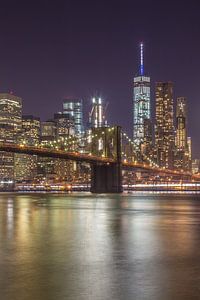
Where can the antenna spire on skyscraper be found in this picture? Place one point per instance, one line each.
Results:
(141, 59)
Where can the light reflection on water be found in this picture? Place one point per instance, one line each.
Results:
(82, 246)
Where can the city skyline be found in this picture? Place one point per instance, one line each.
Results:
(144, 126)
(148, 122)
(51, 60)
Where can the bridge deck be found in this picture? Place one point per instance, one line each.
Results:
(48, 152)
(81, 157)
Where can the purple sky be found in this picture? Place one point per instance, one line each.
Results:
(55, 49)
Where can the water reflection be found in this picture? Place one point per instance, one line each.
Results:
(82, 246)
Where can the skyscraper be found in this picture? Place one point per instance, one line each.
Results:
(181, 159)
(74, 108)
(164, 124)
(48, 131)
(189, 145)
(58, 129)
(64, 125)
(141, 103)
(97, 114)
(26, 165)
(46, 165)
(10, 117)
(195, 166)
(181, 124)
(10, 126)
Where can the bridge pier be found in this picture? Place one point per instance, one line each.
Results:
(106, 178)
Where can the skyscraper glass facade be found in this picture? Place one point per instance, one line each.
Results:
(74, 108)
(141, 107)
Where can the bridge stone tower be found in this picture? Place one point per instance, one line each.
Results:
(107, 177)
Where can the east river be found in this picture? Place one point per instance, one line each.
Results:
(83, 246)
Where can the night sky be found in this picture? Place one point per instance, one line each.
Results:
(55, 49)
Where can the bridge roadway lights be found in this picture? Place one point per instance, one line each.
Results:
(106, 178)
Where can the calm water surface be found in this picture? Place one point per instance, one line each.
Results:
(82, 246)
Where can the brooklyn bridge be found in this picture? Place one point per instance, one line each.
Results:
(109, 151)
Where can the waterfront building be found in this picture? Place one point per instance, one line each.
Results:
(26, 165)
(46, 169)
(195, 166)
(46, 165)
(65, 134)
(181, 160)
(74, 108)
(189, 145)
(10, 126)
(141, 105)
(58, 131)
(65, 170)
(164, 125)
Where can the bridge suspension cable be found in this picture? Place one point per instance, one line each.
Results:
(137, 148)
